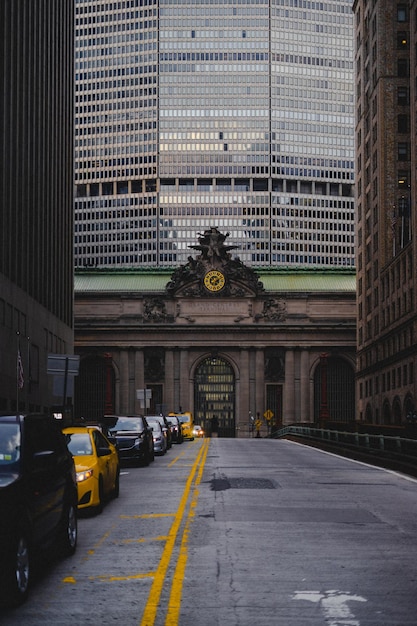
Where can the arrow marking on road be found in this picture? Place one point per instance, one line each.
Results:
(333, 604)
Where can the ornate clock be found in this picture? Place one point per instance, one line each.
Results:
(214, 280)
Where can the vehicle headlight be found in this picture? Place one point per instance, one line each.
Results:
(83, 476)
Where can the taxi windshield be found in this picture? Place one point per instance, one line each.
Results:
(9, 446)
(79, 444)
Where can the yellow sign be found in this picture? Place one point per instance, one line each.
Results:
(268, 415)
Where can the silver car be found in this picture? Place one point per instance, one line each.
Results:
(159, 438)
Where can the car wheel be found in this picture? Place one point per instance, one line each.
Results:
(68, 533)
(116, 489)
(17, 572)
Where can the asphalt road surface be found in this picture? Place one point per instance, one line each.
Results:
(250, 532)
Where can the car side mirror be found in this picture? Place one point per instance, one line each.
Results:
(103, 452)
(43, 458)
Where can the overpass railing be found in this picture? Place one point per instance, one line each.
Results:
(373, 443)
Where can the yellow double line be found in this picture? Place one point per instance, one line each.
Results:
(189, 498)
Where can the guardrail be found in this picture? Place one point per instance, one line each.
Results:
(376, 445)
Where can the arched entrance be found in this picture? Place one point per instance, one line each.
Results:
(339, 383)
(94, 388)
(214, 395)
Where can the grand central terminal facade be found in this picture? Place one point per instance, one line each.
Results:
(219, 339)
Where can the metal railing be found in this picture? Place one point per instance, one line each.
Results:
(377, 444)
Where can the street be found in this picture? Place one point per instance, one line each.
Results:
(228, 532)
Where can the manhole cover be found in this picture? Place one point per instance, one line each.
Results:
(221, 484)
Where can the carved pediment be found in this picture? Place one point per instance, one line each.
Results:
(213, 272)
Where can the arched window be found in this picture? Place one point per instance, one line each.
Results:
(386, 413)
(396, 411)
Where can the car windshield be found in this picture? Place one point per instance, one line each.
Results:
(79, 444)
(132, 424)
(9, 447)
(153, 423)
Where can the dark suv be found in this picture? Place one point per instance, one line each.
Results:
(38, 498)
(175, 426)
(133, 437)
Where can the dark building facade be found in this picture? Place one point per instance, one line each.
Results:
(36, 178)
(386, 39)
(216, 338)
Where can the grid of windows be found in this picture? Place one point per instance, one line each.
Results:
(385, 131)
(175, 98)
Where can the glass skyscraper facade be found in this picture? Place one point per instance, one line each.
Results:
(233, 113)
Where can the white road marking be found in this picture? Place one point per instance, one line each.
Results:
(333, 604)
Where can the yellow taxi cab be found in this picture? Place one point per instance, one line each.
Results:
(96, 464)
(187, 423)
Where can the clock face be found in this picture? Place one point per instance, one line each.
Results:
(214, 280)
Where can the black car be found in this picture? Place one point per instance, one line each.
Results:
(133, 437)
(38, 499)
(176, 431)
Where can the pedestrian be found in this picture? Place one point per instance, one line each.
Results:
(214, 426)
(258, 424)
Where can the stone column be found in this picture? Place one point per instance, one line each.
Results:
(176, 380)
(260, 382)
(124, 382)
(132, 381)
(184, 392)
(169, 399)
(289, 394)
(243, 398)
(139, 379)
(305, 387)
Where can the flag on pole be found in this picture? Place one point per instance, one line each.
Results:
(20, 378)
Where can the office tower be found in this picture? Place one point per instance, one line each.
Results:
(36, 184)
(233, 113)
(386, 164)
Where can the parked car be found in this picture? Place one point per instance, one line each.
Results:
(175, 426)
(133, 436)
(198, 431)
(102, 427)
(165, 427)
(38, 499)
(96, 465)
(186, 419)
(159, 437)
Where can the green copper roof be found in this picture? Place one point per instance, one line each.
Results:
(305, 281)
(277, 279)
(121, 281)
